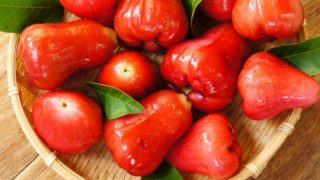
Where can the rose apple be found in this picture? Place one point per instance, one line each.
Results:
(101, 11)
(266, 20)
(209, 147)
(53, 52)
(130, 72)
(67, 121)
(268, 86)
(139, 143)
(152, 24)
(220, 10)
(209, 64)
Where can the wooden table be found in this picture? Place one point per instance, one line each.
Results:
(298, 158)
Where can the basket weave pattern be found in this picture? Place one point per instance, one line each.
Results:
(259, 140)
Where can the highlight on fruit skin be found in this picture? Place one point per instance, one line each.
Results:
(101, 11)
(67, 121)
(209, 65)
(131, 72)
(70, 122)
(51, 53)
(267, 20)
(209, 147)
(152, 24)
(139, 143)
(268, 86)
(220, 10)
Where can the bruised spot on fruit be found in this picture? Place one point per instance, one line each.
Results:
(51, 46)
(64, 105)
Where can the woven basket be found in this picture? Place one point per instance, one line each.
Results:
(259, 140)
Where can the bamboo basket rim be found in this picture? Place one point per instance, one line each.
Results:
(251, 169)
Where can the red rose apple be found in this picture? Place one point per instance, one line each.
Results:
(268, 86)
(153, 24)
(266, 20)
(209, 147)
(130, 72)
(209, 65)
(53, 52)
(220, 10)
(101, 11)
(67, 121)
(139, 143)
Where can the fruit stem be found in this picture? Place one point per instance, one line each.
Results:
(186, 90)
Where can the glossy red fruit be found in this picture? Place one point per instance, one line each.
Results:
(102, 11)
(209, 64)
(68, 122)
(220, 10)
(268, 86)
(209, 147)
(152, 24)
(53, 52)
(130, 72)
(139, 143)
(266, 20)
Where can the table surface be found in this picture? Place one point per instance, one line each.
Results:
(298, 158)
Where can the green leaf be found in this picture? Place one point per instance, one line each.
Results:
(191, 7)
(115, 102)
(15, 15)
(164, 172)
(304, 56)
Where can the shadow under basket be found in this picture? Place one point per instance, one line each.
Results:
(259, 140)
